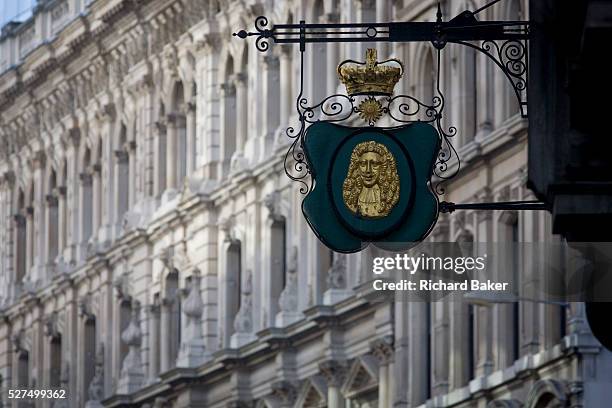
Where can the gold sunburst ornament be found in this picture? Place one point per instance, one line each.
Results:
(370, 110)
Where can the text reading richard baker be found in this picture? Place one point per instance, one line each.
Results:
(434, 265)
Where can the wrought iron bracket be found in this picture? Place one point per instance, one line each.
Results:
(449, 207)
(503, 42)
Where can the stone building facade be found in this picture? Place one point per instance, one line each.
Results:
(153, 253)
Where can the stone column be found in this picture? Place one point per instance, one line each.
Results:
(207, 60)
(242, 115)
(331, 60)
(165, 330)
(287, 104)
(484, 314)
(335, 374)
(191, 124)
(171, 153)
(383, 351)
(382, 14)
(39, 235)
(228, 127)
(484, 97)
(105, 231)
(154, 346)
(72, 197)
(418, 349)
(271, 105)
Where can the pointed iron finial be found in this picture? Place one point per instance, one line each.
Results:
(439, 13)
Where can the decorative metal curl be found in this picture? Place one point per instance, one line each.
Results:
(411, 107)
(263, 34)
(330, 108)
(511, 57)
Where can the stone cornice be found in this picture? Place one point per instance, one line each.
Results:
(65, 49)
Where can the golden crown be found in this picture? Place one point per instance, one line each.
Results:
(375, 78)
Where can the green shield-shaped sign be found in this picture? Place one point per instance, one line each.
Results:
(371, 185)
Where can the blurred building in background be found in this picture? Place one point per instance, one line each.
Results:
(153, 252)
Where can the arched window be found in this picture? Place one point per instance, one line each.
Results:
(278, 254)
(193, 147)
(510, 260)
(467, 346)
(89, 350)
(23, 369)
(233, 283)
(228, 116)
(469, 119)
(30, 232)
(161, 151)
(55, 356)
(86, 197)
(52, 218)
(97, 189)
(122, 158)
(428, 77)
(20, 238)
(180, 155)
(64, 222)
(170, 321)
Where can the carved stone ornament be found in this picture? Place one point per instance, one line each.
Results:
(95, 391)
(288, 300)
(243, 323)
(336, 275)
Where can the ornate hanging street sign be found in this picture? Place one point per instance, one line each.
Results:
(370, 184)
(381, 185)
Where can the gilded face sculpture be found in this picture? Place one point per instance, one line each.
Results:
(371, 187)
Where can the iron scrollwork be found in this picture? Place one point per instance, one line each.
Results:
(511, 56)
